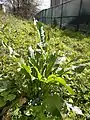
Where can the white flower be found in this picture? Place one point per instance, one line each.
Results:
(35, 21)
(31, 51)
(77, 110)
(11, 50)
(74, 109)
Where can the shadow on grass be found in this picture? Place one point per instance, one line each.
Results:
(79, 35)
(73, 34)
(70, 31)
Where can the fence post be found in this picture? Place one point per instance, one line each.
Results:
(42, 16)
(51, 15)
(55, 2)
(45, 16)
(61, 14)
(79, 14)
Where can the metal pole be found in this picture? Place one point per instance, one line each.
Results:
(51, 14)
(61, 14)
(55, 2)
(42, 16)
(79, 14)
(45, 15)
(51, 3)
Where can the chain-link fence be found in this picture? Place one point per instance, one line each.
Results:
(72, 13)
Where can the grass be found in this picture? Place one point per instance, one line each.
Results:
(20, 34)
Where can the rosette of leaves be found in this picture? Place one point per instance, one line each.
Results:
(36, 79)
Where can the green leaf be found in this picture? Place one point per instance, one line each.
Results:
(39, 25)
(79, 68)
(27, 68)
(53, 104)
(11, 97)
(41, 116)
(33, 61)
(61, 80)
(4, 93)
(38, 73)
(2, 89)
(4, 84)
(24, 66)
(50, 63)
(54, 78)
(70, 90)
(2, 102)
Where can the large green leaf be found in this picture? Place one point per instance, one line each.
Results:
(27, 68)
(38, 73)
(79, 68)
(2, 102)
(53, 104)
(7, 96)
(11, 97)
(70, 90)
(24, 66)
(50, 63)
(54, 79)
(5, 93)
